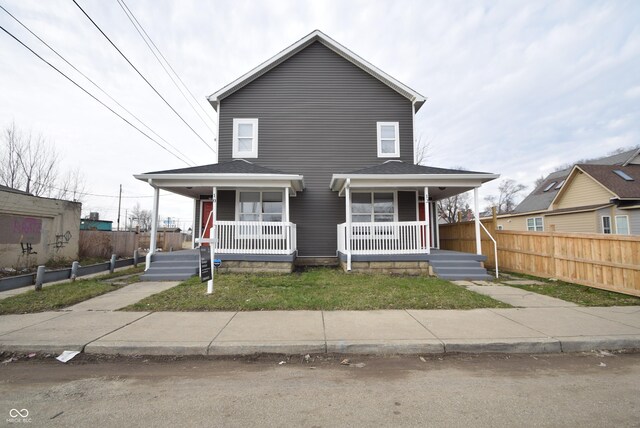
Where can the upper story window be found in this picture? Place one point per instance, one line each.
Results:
(245, 138)
(388, 140)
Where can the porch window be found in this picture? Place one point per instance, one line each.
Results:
(373, 207)
(245, 138)
(534, 224)
(388, 140)
(260, 206)
(622, 225)
(606, 224)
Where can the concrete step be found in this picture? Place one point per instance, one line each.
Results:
(175, 263)
(455, 263)
(456, 256)
(166, 276)
(186, 271)
(467, 277)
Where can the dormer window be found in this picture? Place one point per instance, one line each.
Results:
(388, 140)
(245, 138)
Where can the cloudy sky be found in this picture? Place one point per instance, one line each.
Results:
(515, 88)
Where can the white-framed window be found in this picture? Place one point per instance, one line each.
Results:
(388, 139)
(259, 206)
(373, 207)
(606, 224)
(535, 224)
(245, 138)
(622, 224)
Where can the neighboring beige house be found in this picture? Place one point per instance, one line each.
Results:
(598, 197)
(34, 230)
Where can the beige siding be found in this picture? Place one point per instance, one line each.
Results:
(516, 222)
(576, 222)
(582, 191)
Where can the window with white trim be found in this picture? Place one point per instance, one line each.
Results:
(606, 224)
(260, 206)
(388, 139)
(373, 207)
(535, 224)
(622, 224)
(245, 138)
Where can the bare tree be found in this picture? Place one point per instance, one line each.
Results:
(10, 171)
(28, 162)
(448, 208)
(142, 217)
(71, 186)
(422, 149)
(508, 191)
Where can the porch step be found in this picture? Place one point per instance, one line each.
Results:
(172, 266)
(458, 266)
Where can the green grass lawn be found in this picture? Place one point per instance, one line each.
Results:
(60, 296)
(315, 289)
(580, 294)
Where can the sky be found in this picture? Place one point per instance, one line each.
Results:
(514, 87)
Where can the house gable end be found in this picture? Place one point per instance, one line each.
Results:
(580, 189)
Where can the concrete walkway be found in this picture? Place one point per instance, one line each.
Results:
(122, 297)
(515, 296)
(525, 330)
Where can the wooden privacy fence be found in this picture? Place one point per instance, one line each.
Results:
(166, 240)
(609, 262)
(98, 243)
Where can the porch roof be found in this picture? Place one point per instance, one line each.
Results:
(396, 174)
(239, 173)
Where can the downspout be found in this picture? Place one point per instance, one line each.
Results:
(347, 202)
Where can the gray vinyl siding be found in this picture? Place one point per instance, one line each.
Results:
(226, 205)
(407, 206)
(226, 208)
(634, 221)
(317, 116)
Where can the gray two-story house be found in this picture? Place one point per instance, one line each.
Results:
(316, 165)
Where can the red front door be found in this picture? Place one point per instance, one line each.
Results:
(207, 207)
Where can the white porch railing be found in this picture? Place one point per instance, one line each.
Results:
(407, 237)
(255, 237)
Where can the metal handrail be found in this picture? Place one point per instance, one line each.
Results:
(495, 247)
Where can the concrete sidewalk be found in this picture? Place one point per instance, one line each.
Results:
(522, 330)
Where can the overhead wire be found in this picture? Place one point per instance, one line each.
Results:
(97, 86)
(136, 24)
(141, 75)
(90, 94)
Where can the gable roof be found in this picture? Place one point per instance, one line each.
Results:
(605, 175)
(539, 200)
(236, 166)
(400, 167)
(316, 36)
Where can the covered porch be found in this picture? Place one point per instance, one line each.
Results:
(391, 211)
(240, 209)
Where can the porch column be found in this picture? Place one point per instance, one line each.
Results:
(193, 227)
(347, 201)
(212, 235)
(287, 227)
(154, 227)
(433, 221)
(427, 220)
(476, 212)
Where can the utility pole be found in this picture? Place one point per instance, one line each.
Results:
(126, 212)
(119, 204)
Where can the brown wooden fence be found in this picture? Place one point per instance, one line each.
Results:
(98, 243)
(609, 262)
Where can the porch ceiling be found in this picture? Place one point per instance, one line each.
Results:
(194, 185)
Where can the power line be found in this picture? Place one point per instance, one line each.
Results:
(90, 94)
(142, 76)
(96, 85)
(137, 24)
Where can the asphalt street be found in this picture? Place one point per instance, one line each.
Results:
(589, 389)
